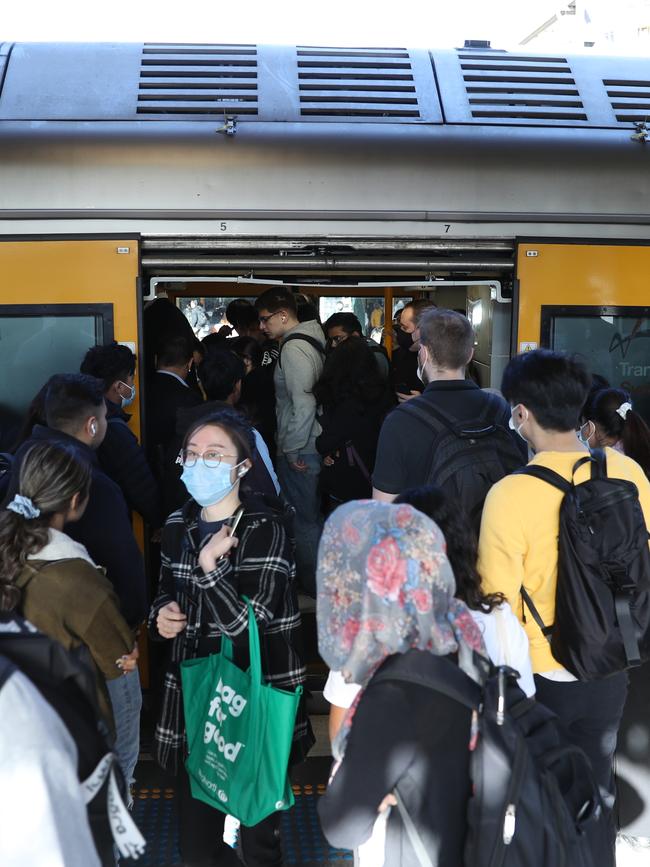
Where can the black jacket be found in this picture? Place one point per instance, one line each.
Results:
(351, 431)
(105, 527)
(406, 736)
(123, 459)
(165, 396)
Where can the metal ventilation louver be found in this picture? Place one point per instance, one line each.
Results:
(630, 99)
(364, 83)
(510, 87)
(198, 81)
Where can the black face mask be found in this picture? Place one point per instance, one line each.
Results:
(404, 340)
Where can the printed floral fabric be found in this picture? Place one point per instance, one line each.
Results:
(385, 586)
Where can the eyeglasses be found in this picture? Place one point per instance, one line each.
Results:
(188, 458)
(265, 319)
(338, 339)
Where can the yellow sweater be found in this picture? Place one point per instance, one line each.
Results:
(519, 537)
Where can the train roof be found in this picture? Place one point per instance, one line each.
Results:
(191, 85)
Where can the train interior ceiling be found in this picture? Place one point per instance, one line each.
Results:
(372, 279)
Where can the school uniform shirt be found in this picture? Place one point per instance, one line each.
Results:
(261, 567)
(518, 545)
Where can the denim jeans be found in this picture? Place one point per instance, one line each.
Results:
(126, 700)
(301, 490)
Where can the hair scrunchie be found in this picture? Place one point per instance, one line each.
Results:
(623, 410)
(24, 506)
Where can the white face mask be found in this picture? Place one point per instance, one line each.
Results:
(586, 432)
(515, 427)
(422, 376)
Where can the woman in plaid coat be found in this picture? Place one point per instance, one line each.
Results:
(206, 571)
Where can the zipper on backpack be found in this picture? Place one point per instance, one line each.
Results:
(510, 814)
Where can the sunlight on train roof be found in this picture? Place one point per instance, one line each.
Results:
(595, 26)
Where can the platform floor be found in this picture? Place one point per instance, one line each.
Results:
(303, 844)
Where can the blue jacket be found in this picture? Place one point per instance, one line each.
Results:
(105, 528)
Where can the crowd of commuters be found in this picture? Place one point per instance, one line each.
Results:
(286, 456)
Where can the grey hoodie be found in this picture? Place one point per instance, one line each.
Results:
(302, 365)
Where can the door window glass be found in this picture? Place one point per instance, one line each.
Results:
(32, 348)
(616, 346)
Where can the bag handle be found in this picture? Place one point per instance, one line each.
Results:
(254, 650)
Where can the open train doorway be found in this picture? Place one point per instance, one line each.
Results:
(377, 305)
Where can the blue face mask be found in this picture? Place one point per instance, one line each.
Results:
(210, 485)
(127, 401)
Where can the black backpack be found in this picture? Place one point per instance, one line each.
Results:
(602, 600)
(66, 681)
(312, 341)
(534, 799)
(467, 457)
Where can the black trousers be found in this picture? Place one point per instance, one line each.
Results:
(201, 835)
(590, 713)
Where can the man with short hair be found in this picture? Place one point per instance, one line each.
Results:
(167, 392)
(411, 434)
(340, 326)
(120, 454)
(300, 364)
(518, 548)
(405, 355)
(75, 412)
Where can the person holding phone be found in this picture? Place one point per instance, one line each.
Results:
(223, 545)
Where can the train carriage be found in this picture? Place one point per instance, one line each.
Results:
(513, 186)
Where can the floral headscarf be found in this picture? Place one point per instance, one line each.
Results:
(385, 586)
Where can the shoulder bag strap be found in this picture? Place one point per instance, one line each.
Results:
(447, 679)
(412, 832)
(426, 413)
(354, 458)
(546, 475)
(537, 617)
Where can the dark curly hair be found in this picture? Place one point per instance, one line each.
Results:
(50, 475)
(462, 549)
(350, 371)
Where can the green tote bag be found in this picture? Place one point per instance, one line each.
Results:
(239, 733)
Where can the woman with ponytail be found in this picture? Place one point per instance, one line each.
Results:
(49, 578)
(610, 420)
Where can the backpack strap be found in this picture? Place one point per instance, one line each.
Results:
(445, 677)
(7, 668)
(355, 459)
(412, 833)
(546, 475)
(537, 617)
(307, 338)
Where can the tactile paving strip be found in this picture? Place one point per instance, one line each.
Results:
(302, 840)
